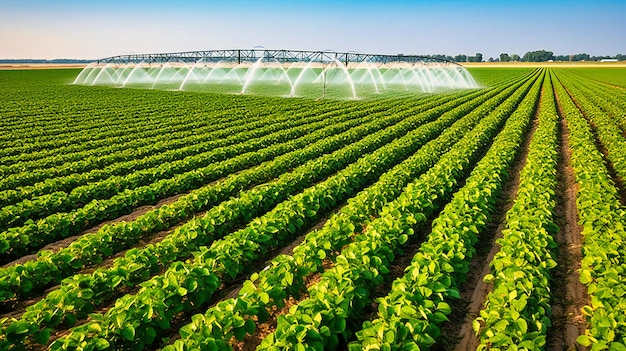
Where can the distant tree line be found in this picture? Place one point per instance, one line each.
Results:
(544, 56)
(531, 56)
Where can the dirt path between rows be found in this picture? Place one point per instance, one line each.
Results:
(568, 293)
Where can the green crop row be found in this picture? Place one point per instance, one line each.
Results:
(92, 248)
(58, 194)
(321, 320)
(138, 264)
(111, 121)
(138, 144)
(91, 133)
(608, 98)
(409, 317)
(198, 171)
(38, 177)
(601, 217)
(143, 144)
(607, 130)
(160, 166)
(138, 318)
(285, 275)
(517, 311)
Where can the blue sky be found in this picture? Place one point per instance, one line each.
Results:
(86, 29)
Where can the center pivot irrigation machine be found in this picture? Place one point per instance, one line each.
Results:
(283, 72)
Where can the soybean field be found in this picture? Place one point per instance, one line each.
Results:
(475, 219)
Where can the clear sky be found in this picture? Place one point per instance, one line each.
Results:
(96, 29)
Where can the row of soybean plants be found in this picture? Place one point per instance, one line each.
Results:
(84, 156)
(344, 290)
(610, 98)
(123, 130)
(368, 247)
(177, 132)
(76, 183)
(92, 248)
(373, 163)
(169, 145)
(489, 77)
(109, 198)
(606, 127)
(229, 256)
(601, 217)
(410, 316)
(45, 121)
(517, 310)
(97, 287)
(89, 125)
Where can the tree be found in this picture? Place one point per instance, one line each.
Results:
(504, 57)
(477, 58)
(580, 57)
(538, 56)
(562, 58)
(460, 58)
(515, 58)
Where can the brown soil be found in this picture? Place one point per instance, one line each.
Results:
(569, 294)
(474, 291)
(262, 330)
(396, 270)
(250, 342)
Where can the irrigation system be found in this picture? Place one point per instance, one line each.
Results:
(252, 55)
(285, 72)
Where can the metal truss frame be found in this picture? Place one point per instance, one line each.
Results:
(253, 55)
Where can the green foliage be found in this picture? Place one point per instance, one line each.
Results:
(346, 288)
(410, 315)
(262, 171)
(601, 217)
(517, 310)
(538, 56)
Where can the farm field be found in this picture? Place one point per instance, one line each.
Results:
(491, 218)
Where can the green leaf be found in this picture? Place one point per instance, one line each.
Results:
(101, 344)
(42, 336)
(585, 277)
(4, 245)
(239, 333)
(321, 254)
(584, 340)
(444, 308)
(617, 346)
(250, 326)
(454, 293)
(149, 336)
(20, 327)
(476, 325)
(403, 239)
(128, 332)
